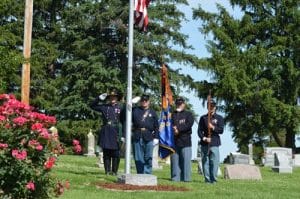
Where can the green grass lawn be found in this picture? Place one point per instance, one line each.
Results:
(83, 173)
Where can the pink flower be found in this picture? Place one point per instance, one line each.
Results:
(77, 149)
(36, 127)
(45, 134)
(4, 96)
(30, 186)
(20, 121)
(49, 163)
(20, 155)
(3, 145)
(2, 118)
(39, 147)
(75, 142)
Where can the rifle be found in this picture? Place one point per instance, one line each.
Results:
(208, 114)
(208, 120)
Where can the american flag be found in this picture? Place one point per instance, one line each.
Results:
(140, 13)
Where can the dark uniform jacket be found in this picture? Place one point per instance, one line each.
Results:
(145, 124)
(111, 129)
(184, 121)
(218, 122)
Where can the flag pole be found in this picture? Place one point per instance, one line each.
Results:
(25, 87)
(129, 89)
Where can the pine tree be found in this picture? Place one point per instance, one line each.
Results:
(255, 65)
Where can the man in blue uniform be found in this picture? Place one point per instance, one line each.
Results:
(111, 130)
(182, 121)
(145, 135)
(210, 145)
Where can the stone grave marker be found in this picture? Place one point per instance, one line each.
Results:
(90, 145)
(242, 172)
(138, 179)
(238, 158)
(269, 159)
(297, 160)
(282, 163)
(155, 164)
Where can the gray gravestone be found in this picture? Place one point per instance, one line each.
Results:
(138, 179)
(242, 172)
(155, 164)
(90, 145)
(282, 164)
(250, 152)
(238, 158)
(297, 160)
(269, 159)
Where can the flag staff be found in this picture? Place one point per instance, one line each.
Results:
(129, 88)
(25, 87)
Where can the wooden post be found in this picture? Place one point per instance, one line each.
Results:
(25, 90)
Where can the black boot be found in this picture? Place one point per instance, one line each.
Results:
(107, 164)
(115, 165)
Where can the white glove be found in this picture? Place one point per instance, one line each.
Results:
(123, 139)
(155, 142)
(136, 99)
(103, 96)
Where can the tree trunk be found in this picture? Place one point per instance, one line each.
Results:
(277, 139)
(290, 138)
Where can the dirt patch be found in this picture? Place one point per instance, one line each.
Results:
(127, 187)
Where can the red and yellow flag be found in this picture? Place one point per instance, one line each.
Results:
(167, 95)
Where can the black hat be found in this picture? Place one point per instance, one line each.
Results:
(179, 101)
(145, 97)
(213, 102)
(113, 92)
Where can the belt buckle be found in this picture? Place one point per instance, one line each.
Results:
(143, 129)
(109, 123)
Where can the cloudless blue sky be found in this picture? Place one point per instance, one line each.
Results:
(198, 41)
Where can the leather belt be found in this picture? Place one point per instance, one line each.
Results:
(140, 129)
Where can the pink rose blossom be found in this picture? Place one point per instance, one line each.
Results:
(30, 186)
(3, 145)
(75, 142)
(20, 155)
(2, 118)
(20, 121)
(39, 147)
(36, 127)
(49, 163)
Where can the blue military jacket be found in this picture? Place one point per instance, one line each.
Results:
(110, 132)
(218, 122)
(145, 124)
(184, 121)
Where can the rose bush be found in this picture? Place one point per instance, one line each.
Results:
(28, 151)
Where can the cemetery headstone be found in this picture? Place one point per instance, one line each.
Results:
(138, 179)
(242, 172)
(155, 164)
(90, 145)
(297, 160)
(269, 159)
(282, 164)
(239, 158)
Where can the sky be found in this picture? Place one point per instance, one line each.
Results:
(198, 41)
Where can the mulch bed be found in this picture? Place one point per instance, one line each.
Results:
(127, 187)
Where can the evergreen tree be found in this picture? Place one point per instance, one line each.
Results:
(255, 66)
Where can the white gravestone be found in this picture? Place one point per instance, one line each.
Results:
(238, 158)
(297, 160)
(282, 164)
(90, 145)
(250, 152)
(269, 159)
(155, 164)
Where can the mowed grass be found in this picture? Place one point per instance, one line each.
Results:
(83, 173)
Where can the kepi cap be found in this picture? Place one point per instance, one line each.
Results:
(145, 97)
(179, 101)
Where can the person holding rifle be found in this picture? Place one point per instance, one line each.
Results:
(211, 125)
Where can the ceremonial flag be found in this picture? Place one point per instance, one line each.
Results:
(140, 13)
(166, 135)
